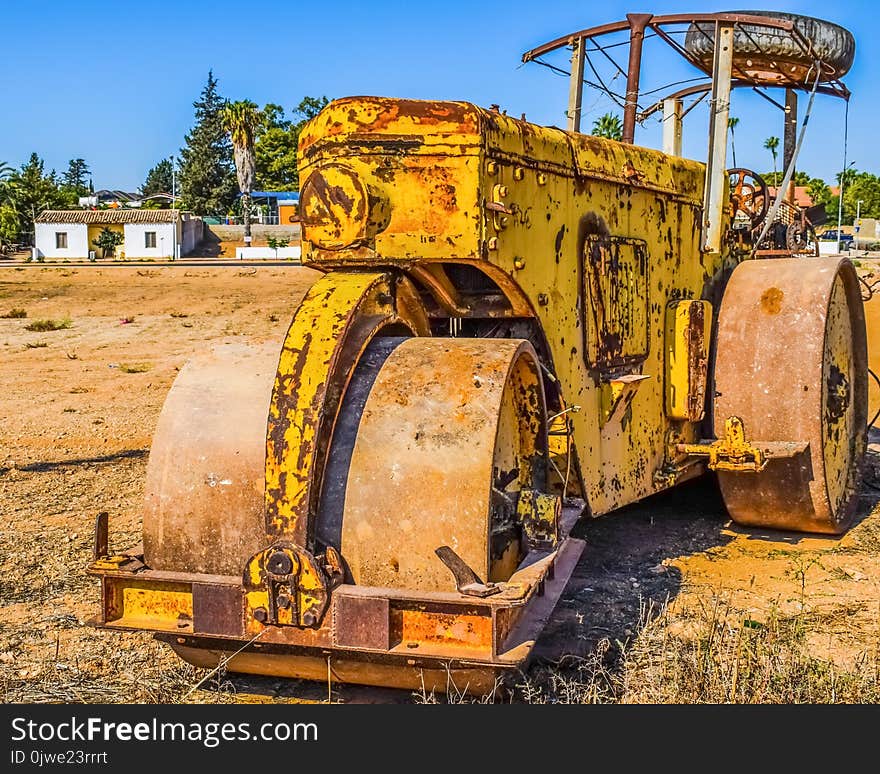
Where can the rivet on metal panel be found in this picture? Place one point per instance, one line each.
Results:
(519, 263)
(519, 173)
(493, 243)
(542, 178)
(543, 299)
(492, 167)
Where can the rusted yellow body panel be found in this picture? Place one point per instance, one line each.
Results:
(591, 236)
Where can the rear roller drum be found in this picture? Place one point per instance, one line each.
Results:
(792, 364)
(435, 441)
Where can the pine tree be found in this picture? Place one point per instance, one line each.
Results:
(159, 179)
(76, 176)
(207, 172)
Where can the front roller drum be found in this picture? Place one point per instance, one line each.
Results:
(792, 364)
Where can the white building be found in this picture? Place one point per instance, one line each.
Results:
(152, 234)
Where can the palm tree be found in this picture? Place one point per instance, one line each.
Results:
(608, 126)
(731, 124)
(242, 119)
(772, 144)
(7, 188)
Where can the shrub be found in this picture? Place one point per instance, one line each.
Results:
(49, 325)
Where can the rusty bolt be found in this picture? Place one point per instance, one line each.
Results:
(309, 618)
(384, 298)
(492, 167)
(261, 614)
(493, 243)
(280, 564)
(519, 263)
(543, 299)
(519, 173)
(542, 178)
(283, 601)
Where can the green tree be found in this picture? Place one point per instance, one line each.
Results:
(864, 187)
(8, 213)
(275, 152)
(820, 193)
(608, 125)
(772, 145)
(775, 178)
(207, 175)
(276, 144)
(76, 179)
(27, 192)
(160, 179)
(242, 119)
(274, 118)
(108, 240)
(309, 107)
(731, 125)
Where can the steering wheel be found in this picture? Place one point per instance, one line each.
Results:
(749, 195)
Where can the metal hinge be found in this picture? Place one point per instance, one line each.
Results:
(735, 453)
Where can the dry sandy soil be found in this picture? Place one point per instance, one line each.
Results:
(77, 409)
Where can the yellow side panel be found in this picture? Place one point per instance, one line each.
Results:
(688, 331)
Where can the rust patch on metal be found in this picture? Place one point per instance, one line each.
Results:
(616, 300)
(696, 362)
(463, 629)
(838, 396)
(361, 622)
(771, 300)
(217, 610)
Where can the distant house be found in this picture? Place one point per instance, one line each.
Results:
(71, 234)
(110, 198)
(281, 207)
(801, 197)
(288, 210)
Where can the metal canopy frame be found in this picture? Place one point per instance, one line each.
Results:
(724, 75)
(643, 25)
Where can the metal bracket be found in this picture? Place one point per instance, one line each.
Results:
(734, 453)
(286, 586)
(617, 394)
(540, 515)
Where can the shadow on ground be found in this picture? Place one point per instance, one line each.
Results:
(622, 575)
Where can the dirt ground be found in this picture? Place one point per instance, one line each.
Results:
(77, 409)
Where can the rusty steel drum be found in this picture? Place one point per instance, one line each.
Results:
(204, 503)
(792, 364)
(436, 439)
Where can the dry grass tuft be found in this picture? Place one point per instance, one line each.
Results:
(716, 655)
(49, 325)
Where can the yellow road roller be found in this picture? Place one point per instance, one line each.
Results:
(517, 326)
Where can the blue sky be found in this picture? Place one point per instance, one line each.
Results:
(114, 83)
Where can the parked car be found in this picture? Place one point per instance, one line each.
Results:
(831, 236)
